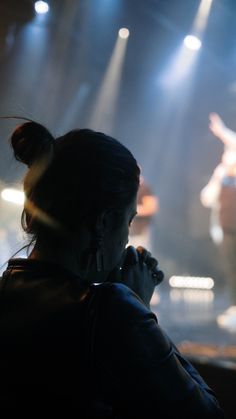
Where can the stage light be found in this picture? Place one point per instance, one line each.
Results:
(194, 282)
(124, 33)
(192, 296)
(192, 42)
(41, 7)
(105, 104)
(13, 195)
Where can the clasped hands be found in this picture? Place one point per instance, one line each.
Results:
(139, 271)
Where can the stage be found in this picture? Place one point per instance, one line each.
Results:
(190, 315)
(190, 319)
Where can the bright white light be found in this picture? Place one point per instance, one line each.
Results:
(124, 33)
(13, 195)
(192, 296)
(192, 42)
(195, 282)
(41, 7)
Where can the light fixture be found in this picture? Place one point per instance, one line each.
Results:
(124, 33)
(194, 282)
(192, 42)
(41, 7)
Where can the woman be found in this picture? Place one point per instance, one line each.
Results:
(73, 336)
(220, 196)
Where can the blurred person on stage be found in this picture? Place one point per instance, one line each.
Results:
(147, 207)
(140, 232)
(220, 195)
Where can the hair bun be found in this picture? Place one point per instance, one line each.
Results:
(30, 141)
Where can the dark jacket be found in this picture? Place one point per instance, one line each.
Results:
(94, 350)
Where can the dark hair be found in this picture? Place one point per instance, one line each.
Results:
(73, 177)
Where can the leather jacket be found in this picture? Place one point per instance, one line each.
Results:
(91, 349)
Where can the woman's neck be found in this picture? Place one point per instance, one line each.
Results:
(70, 258)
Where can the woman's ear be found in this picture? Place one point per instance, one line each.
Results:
(105, 221)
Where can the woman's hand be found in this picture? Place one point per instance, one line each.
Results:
(139, 271)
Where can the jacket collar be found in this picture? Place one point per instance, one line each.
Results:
(36, 268)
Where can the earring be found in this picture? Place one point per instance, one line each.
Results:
(99, 252)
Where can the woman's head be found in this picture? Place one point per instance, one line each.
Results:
(73, 179)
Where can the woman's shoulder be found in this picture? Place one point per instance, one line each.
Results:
(119, 300)
(117, 292)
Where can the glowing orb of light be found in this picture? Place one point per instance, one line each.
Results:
(192, 42)
(124, 33)
(41, 7)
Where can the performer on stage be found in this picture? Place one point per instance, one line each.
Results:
(220, 195)
(147, 207)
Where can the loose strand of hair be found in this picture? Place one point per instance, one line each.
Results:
(16, 117)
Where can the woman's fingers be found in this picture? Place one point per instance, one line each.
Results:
(130, 257)
(152, 264)
(143, 253)
(146, 257)
(157, 276)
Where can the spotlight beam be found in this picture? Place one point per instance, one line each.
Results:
(200, 21)
(102, 116)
